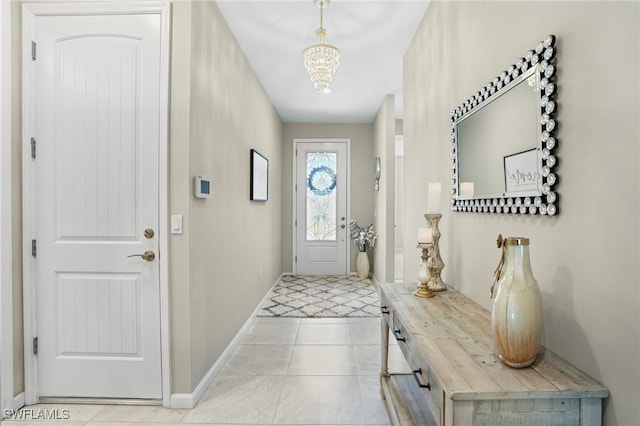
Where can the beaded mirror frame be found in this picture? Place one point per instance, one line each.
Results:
(543, 60)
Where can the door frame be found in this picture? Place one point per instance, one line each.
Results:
(6, 208)
(295, 193)
(30, 12)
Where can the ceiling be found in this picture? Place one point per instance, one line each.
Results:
(372, 36)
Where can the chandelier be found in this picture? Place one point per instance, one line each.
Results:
(321, 60)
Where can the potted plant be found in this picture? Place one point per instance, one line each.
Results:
(364, 239)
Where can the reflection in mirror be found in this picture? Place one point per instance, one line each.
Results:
(503, 143)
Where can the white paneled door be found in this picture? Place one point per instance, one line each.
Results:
(96, 189)
(321, 225)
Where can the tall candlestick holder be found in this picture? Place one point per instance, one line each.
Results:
(435, 282)
(424, 272)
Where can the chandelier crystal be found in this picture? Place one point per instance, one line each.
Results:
(321, 60)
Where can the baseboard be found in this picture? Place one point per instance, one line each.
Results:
(190, 400)
(18, 401)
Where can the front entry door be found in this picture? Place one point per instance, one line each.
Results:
(321, 225)
(96, 196)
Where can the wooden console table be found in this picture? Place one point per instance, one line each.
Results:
(457, 379)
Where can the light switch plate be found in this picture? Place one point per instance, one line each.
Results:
(176, 224)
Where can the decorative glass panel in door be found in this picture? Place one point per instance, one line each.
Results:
(321, 196)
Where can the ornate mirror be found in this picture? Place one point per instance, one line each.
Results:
(503, 140)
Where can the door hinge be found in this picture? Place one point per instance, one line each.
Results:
(33, 50)
(33, 148)
(35, 346)
(33, 248)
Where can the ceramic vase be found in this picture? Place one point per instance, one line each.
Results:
(362, 264)
(516, 315)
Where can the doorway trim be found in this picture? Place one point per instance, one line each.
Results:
(6, 207)
(295, 194)
(30, 11)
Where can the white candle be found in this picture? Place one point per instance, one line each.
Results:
(434, 195)
(466, 189)
(425, 236)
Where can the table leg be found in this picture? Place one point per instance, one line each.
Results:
(384, 346)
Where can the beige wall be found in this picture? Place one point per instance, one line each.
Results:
(361, 136)
(586, 258)
(232, 246)
(384, 127)
(180, 193)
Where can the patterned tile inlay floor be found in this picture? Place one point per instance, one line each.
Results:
(322, 297)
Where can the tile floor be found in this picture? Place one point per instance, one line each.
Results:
(286, 371)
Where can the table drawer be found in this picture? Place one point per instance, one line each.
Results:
(424, 377)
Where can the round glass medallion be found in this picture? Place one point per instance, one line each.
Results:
(549, 70)
(551, 209)
(527, 201)
(492, 209)
(500, 85)
(518, 201)
(549, 107)
(537, 201)
(548, 53)
(321, 181)
(551, 179)
(502, 202)
(485, 209)
(523, 209)
(520, 62)
(529, 55)
(545, 171)
(546, 188)
(535, 59)
(514, 209)
(524, 67)
(503, 76)
(551, 161)
(495, 202)
(543, 209)
(544, 83)
(540, 47)
(509, 202)
(508, 79)
(543, 65)
(545, 154)
(544, 119)
(551, 124)
(515, 73)
(551, 197)
(551, 143)
(544, 136)
(543, 101)
(532, 209)
(549, 89)
(548, 41)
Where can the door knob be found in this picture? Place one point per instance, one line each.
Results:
(148, 255)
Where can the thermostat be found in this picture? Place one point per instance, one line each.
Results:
(201, 187)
